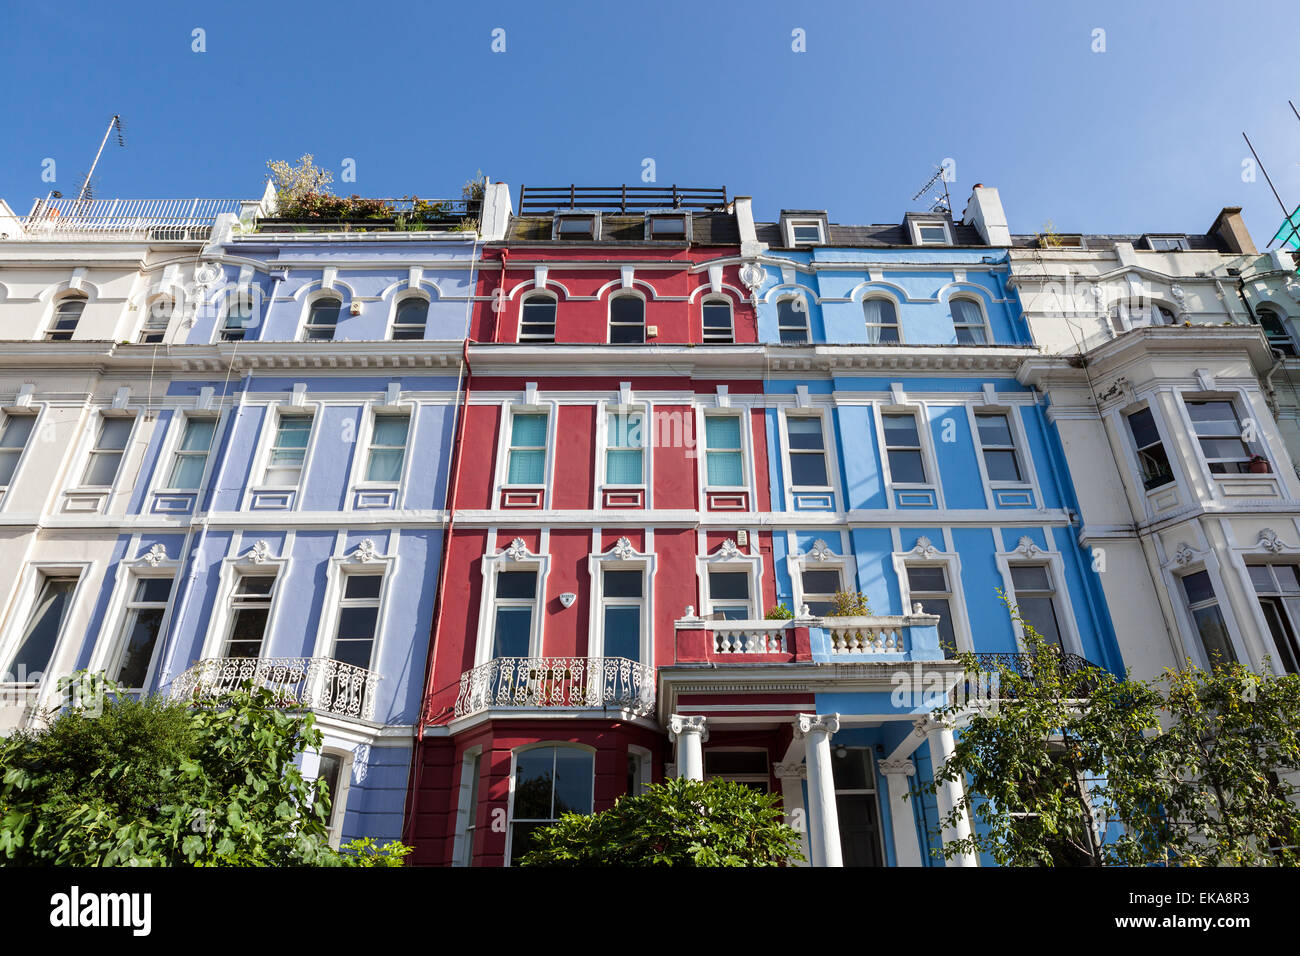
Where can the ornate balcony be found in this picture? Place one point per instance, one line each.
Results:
(314, 683)
(563, 682)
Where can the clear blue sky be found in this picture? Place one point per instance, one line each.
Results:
(1143, 137)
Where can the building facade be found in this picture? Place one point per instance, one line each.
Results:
(225, 439)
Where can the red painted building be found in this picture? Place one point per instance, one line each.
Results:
(606, 457)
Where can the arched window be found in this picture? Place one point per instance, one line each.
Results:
(411, 319)
(882, 321)
(158, 317)
(322, 320)
(627, 320)
(537, 319)
(968, 321)
(66, 316)
(792, 320)
(716, 313)
(549, 781)
(1277, 329)
(239, 317)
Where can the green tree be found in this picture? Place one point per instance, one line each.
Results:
(1064, 764)
(678, 823)
(156, 783)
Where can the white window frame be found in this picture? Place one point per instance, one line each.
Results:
(471, 771)
(1275, 593)
(1238, 402)
(949, 560)
(929, 460)
(604, 411)
(314, 300)
(338, 801)
(510, 802)
(92, 449)
(1193, 646)
(152, 324)
(1179, 241)
(342, 567)
(1020, 446)
(747, 559)
(1135, 451)
(898, 320)
(982, 325)
(915, 227)
(718, 300)
(34, 413)
(31, 582)
(644, 768)
(365, 444)
(233, 568)
(271, 430)
(744, 416)
(801, 308)
(502, 559)
(1284, 320)
(618, 558)
(534, 296)
(509, 409)
(1071, 639)
(172, 453)
(609, 316)
(792, 224)
(558, 218)
(411, 295)
(834, 557)
(1120, 315)
(111, 641)
(244, 295)
(829, 450)
(50, 331)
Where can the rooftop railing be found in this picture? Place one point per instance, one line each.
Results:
(184, 220)
(538, 200)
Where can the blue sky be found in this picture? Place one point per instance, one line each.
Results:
(1143, 137)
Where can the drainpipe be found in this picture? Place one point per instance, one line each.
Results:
(463, 387)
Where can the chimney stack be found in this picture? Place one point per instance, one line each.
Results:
(984, 212)
(1231, 229)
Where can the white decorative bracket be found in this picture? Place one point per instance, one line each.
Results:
(365, 551)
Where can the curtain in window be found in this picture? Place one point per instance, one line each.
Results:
(721, 436)
(879, 312)
(528, 454)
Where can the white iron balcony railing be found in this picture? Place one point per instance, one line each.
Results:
(189, 220)
(604, 682)
(315, 683)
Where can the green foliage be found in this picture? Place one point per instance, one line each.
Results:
(849, 604)
(779, 612)
(160, 783)
(1189, 767)
(366, 852)
(678, 823)
(294, 182)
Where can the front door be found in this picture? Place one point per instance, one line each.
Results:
(856, 802)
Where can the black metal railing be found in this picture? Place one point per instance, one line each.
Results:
(538, 200)
(1072, 669)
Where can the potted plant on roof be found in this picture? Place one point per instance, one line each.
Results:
(1258, 465)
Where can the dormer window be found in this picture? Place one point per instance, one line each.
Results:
(802, 228)
(583, 226)
(1167, 243)
(930, 232)
(667, 226)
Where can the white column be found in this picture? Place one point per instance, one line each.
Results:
(950, 792)
(823, 818)
(792, 776)
(902, 821)
(689, 733)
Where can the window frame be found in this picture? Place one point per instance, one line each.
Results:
(20, 452)
(1290, 346)
(744, 559)
(716, 338)
(152, 331)
(514, 778)
(1029, 552)
(1189, 609)
(789, 451)
(833, 557)
(270, 444)
(800, 308)
(921, 422)
(176, 451)
(500, 558)
(925, 555)
(1008, 414)
(560, 234)
(610, 411)
(339, 801)
(792, 224)
(405, 300)
(52, 331)
(985, 332)
(1235, 402)
(626, 294)
(508, 446)
(245, 296)
(896, 325)
(618, 558)
(467, 800)
(1119, 316)
(1139, 450)
(316, 302)
(376, 415)
(31, 585)
(652, 220)
(743, 419)
(236, 602)
(1290, 621)
(131, 605)
(918, 224)
(103, 417)
(537, 296)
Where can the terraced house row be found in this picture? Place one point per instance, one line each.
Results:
(535, 505)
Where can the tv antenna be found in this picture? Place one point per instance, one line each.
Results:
(115, 123)
(939, 203)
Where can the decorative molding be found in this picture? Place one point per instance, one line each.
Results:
(752, 275)
(1184, 555)
(1269, 541)
(1027, 547)
(365, 551)
(787, 771)
(806, 724)
(903, 766)
(1179, 296)
(259, 553)
(622, 550)
(155, 555)
(679, 724)
(821, 551)
(925, 547)
(727, 549)
(517, 550)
